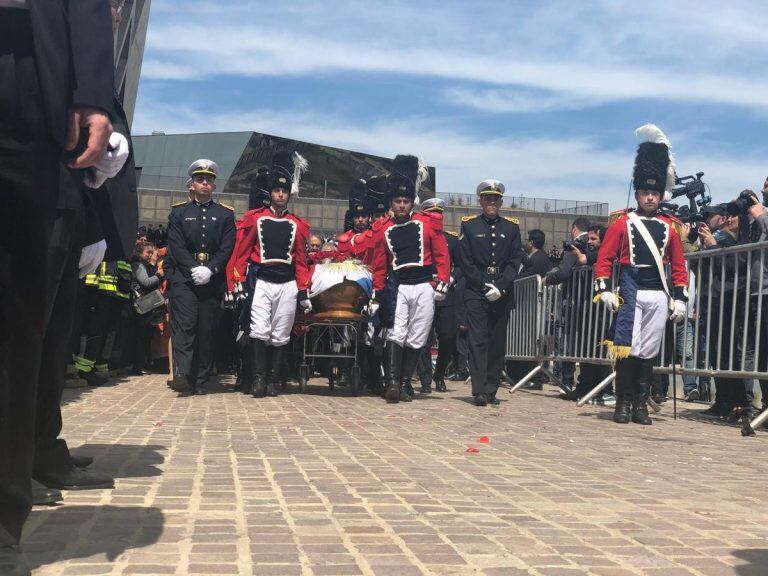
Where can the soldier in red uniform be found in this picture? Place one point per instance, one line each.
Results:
(409, 249)
(356, 240)
(643, 242)
(274, 242)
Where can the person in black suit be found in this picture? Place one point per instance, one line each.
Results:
(536, 261)
(56, 82)
(201, 237)
(490, 256)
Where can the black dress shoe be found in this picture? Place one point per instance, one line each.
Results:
(271, 391)
(75, 479)
(200, 390)
(440, 385)
(481, 400)
(80, 461)
(426, 388)
(492, 400)
(460, 377)
(43, 496)
(13, 562)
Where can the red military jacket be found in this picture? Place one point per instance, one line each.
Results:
(270, 239)
(412, 248)
(623, 243)
(356, 245)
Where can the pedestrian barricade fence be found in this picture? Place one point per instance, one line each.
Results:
(725, 333)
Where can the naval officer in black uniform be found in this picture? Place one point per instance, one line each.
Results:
(490, 256)
(201, 237)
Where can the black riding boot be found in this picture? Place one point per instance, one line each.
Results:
(394, 363)
(642, 390)
(275, 369)
(258, 368)
(625, 370)
(410, 360)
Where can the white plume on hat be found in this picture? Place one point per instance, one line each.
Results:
(422, 175)
(300, 167)
(652, 133)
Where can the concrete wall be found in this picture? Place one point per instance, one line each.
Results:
(327, 216)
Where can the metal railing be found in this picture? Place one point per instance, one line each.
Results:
(725, 334)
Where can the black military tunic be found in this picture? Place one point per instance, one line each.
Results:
(490, 252)
(198, 234)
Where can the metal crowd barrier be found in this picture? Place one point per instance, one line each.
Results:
(724, 336)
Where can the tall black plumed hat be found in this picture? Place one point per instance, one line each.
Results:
(260, 187)
(408, 172)
(376, 195)
(357, 193)
(654, 163)
(348, 224)
(287, 169)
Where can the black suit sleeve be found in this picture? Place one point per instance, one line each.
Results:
(227, 245)
(563, 272)
(509, 273)
(90, 32)
(466, 262)
(177, 250)
(453, 249)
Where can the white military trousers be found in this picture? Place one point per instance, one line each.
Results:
(651, 313)
(414, 311)
(273, 311)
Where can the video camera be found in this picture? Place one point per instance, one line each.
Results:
(692, 187)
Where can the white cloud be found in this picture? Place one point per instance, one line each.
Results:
(574, 54)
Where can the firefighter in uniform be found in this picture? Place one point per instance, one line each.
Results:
(409, 249)
(444, 324)
(274, 248)
(490, 255)
(642, 242)
(201, 236)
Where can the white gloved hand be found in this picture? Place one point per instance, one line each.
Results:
(609, 299)
(90, 257)
(492, 293)
(110, 163)
(441, 291)
(306, 305)
(201, 275)
(679, 311)
(372, 308)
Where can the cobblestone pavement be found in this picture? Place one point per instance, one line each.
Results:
(326, 484)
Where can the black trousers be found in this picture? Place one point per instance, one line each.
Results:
(102, 316)
(487, 323)
(51, 452)
(29, 174)
(193, 310)
(445, 329)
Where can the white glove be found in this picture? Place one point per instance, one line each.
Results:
(110, 163)
(609, 299)
(492, 293)
(678, 312)
(90, 257)
(239, 291)
(372, 308)
(441, 291)
(306, 305)
(201, 275)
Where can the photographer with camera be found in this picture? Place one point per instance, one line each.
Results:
(572, 312)
(724, 229)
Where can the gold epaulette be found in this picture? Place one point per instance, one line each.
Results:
(468, 218)
(615, 215)
(227, 206)
(452, 233)
(179, 203)
(512, 219)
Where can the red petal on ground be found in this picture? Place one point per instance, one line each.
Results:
(473, 450)
(483, 439)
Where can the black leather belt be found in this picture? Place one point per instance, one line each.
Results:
(202, 256)
(493, 271)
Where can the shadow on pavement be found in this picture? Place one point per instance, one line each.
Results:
(758, 562)
(124, 460)
(71, 532)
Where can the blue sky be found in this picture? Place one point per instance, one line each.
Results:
(542, 95)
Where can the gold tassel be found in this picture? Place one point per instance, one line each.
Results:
(616, 352)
